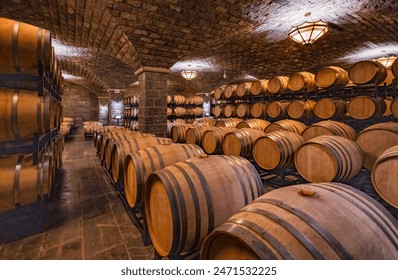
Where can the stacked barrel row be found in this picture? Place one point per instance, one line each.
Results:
(331, 77)
(360, 108)
(174, 183)
(181, 106)
(130, 112)
(89, 127)
(27, 169)
(325, 151)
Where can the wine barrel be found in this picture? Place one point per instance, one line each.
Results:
(23, 183)
(301, 109)
(307, 221)
(178, 132)
(331, 77)
(23, 47)
(388, 102)
(329, 128)
(204, 121)
(375, 139)
(287, 125)
(278, 84)
(242, 110)
(232, 122)
(328, 158)
(139, 165)
(22, 114)
(367, 72)
(169, 99)
(277, 109)
(394, 68)
(243, 89)
(121, 149)
(194, 135)
(217, 111)
(276, 150)
(389, 79)
(258, 109)
(327, 108)
(219, 92)
(259, 87)
(230, 91)
(384, 176)
(258, 124)
(213, 138)
(302, 81)
(394, 107)
(365, 107)
(228, 111)
(185, 201)
(240, 142)
(116, 136)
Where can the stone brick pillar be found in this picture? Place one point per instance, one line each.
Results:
(116, 106)
(152, 100)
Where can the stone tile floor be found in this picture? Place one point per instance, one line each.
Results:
(84, 219)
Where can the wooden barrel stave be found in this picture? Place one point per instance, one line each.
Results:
(327, 108)
(180, 192)
(329, 128)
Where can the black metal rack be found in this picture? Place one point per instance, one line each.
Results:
(42, 83)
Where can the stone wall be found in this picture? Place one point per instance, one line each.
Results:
(79, 103)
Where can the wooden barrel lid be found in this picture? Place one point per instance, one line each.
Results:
(242, 110)
(367, 72)
(258, 110)
(258, 87)
(394, 68)
(325, 108)
(278, 84)
(243, 89)
(296, 109)
(230, 91)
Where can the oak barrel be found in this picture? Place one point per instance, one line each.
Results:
(243, 89)
(325, 221)
(258, 124)
(329, 128)
(240, 142)
(194, 135)
(228, 110)
(375, 139)
(258, 109)
(242, 110)
(385, 177)
(23, 47)
(185, 201)
(178, 132)
(219, 92)
(394, 107)
(277, 109)
(276, 150)
(367, 72)
(365, 107)
(231, 122)
(217, 111)
(331, 77)
(259, 87)
(394, 68)
(121, 149)
(287, 125)
(302, 81)
(278, 84)
(213, 138)
(327, 108)
(298, 109)
(22, 183)
(22, 114)
(328, 158)
(139, 165)
(230, 91)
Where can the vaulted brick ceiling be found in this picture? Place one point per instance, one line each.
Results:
(100, 44)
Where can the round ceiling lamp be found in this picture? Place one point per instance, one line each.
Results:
(189, 74)
(309, 31)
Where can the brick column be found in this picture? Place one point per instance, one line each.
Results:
(103, 102)
(152, 100)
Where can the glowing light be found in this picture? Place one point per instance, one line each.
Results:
(70, 51)
(309, 31)
(189, 74)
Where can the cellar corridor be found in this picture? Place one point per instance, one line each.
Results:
(84, 218)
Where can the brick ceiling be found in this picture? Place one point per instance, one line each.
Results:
(100, 44)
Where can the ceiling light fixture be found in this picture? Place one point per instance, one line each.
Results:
(309, 31)
(189, 74)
